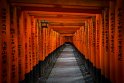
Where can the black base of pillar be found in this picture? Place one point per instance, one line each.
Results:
(23, 81)
(95, 73)
(42, 70)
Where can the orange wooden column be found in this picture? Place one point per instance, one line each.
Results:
(106, 42)
(4, 42)
(44, 41)
(77, 39)
(74, 39)
(54, 40)
(90, 38)
(93, 57)
(40, 41)
(33, 39)
(92, 45)
(61, 40)
(58, 36)
(83, 39)
(82, 27)
(50, 40)
(14, 45)
(119, 41)
(97, 41)
(1, 15)
(58, 41)
(21, 47)
(46, 46)
(111, 40)
(102, 41)
(100, 44)
(36, 40)
(28, 44)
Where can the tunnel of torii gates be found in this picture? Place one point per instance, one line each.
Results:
(23, 42)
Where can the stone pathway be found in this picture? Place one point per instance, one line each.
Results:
(66, 69)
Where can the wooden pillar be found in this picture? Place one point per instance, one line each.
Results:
(82, 38)
(90, 39)
(86, 39)
(49, 40)
(119, 41)
(81, 29)
(106, 42)
(44, 41)
(101, 43)
(5, 42)
(97, 41)
(21, 46)
(94, 41)
(40, 41)
(28, 45)
(14, 45)
(102, 30)
(36, 41)
(33, 39)
(61, 40)
(56, 39)
(78, 39)
(111, 40)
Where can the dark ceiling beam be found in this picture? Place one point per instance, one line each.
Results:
(62, 3)
(67, 24)
(65, 28)
(57, 9)
(58, 14)
(60, 17)
(65, 32)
